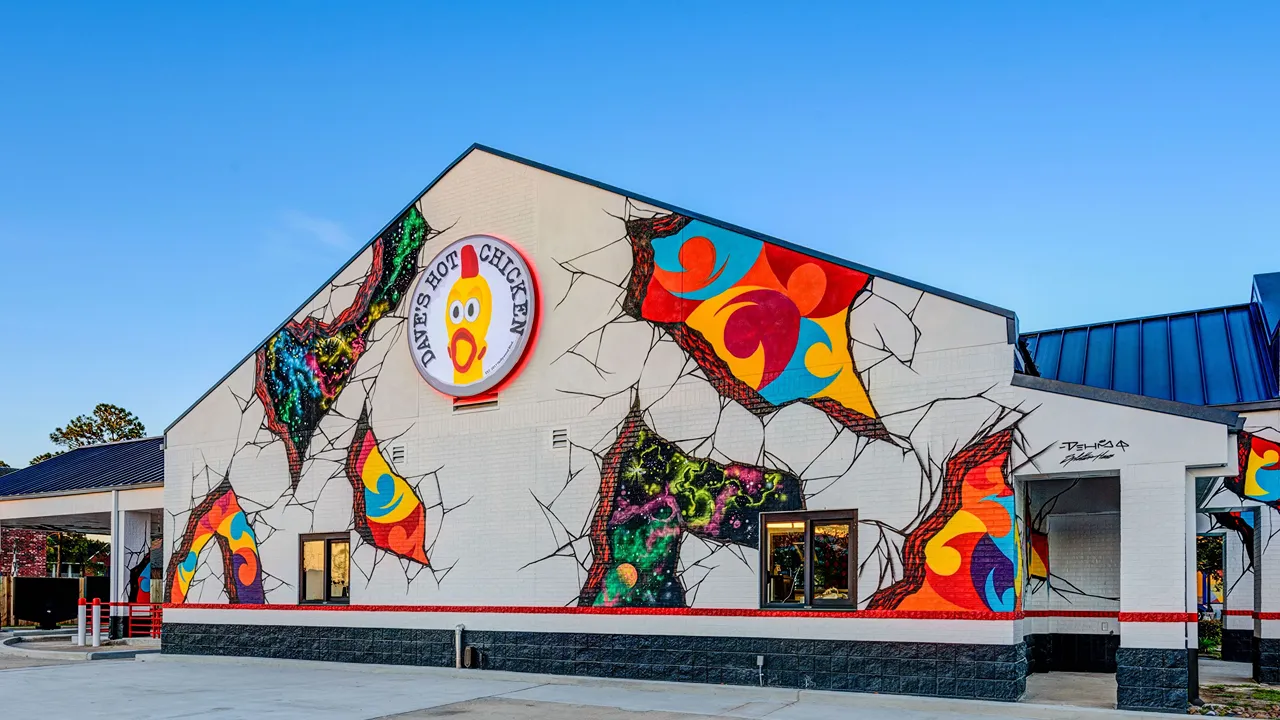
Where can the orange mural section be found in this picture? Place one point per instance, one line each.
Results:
(965, 557)
(770, 325)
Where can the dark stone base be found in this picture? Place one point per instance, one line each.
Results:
(1065, 652)
(1152, 679)
(1266, 660)
(1237, 645)
(986, 672)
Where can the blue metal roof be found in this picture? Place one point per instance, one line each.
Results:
(1218, 356)
(97, 467)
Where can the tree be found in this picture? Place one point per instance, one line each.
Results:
(1209, 553)
(108, 423)
(3, 464)
(43, 456)
(77, 549)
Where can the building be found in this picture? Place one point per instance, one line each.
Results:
(114, 489)
(580, 431)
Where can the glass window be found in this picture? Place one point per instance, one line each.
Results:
(313, 571)
(325, 569)
(339, 570)
(807, 559)
(831, 562)
(785, 562)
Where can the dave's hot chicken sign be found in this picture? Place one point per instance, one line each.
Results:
(472, 314)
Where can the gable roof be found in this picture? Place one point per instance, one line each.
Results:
(1216, 356)
(128, 463)
(1008, 314)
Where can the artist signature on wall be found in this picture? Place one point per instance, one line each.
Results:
(1091, 452)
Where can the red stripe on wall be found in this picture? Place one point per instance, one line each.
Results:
(1267, 615)
(1158, 617)
(1238, 613)
(677, 612)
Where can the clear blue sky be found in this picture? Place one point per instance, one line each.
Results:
(174, 181)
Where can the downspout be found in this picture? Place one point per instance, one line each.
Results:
(457, 646)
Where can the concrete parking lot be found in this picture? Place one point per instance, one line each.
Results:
(167, 687)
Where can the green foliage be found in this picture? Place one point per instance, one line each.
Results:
(1210, 637)
(1209, 553)
(3, 464)
(70, 547)
(107, 423)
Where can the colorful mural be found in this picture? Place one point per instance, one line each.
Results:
(302, 368)
(1259, 477)
(218, 518)
(651, 494)
(1038, 567)
(140, 581)
(388, 513)
(965, 556)
(769, 325)
(1240, 522)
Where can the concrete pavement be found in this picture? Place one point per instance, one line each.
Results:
(168, 686)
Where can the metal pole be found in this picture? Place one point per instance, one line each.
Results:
(80, 610)
(97, 623)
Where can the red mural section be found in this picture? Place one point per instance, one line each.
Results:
(769, 325)
(965, 557)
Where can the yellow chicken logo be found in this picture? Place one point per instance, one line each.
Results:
(467, 315)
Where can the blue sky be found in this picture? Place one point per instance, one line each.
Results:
(175, 180)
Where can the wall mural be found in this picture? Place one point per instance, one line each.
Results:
(220, 519)
(773, 330)
(140, 581)
(780, 341)
(651, 493)
(768, 324)
(1038, 567)
(966, 555)
(388, 513)
(302, 368)
(1259, 477)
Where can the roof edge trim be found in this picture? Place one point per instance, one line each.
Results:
(82, 491)
(1141, 402)
(963, 300)
(1140, 318)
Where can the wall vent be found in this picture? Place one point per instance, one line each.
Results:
(397, 453)
(472, 404)
(559, 439)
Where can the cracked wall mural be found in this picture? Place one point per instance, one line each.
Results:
(388, 513)
(302, 368)
(651, 494)
(767, 324)
(797, 343)
(220, 519)
(1259, 477)
(704, 376)
(966, 555)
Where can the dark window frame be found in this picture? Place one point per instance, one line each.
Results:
(328, 539)
(810, 518)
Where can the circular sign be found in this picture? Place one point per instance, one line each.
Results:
(472, 313)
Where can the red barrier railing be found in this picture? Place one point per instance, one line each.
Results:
(139, 619)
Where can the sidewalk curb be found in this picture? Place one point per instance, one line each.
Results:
(8, 646)
(746, 693)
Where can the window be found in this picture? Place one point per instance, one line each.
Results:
(808, 559)
(326, 568)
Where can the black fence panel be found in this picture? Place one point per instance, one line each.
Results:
(45, 600)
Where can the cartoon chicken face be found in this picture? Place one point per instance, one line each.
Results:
(467, 315)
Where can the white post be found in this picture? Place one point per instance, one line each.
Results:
(80, 618)
(97, 623)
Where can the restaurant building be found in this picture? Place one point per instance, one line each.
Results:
(543, 424)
